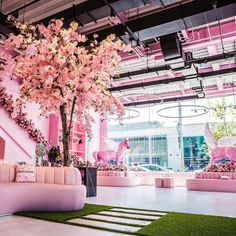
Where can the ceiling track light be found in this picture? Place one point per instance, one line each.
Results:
(112, 13)
(134, 42)
(162, 3)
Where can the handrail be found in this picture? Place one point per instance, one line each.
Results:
(10, 136)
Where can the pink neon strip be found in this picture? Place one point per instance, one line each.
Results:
(27, 154)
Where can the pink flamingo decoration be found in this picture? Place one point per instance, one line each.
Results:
(108, 155)
(224, 147)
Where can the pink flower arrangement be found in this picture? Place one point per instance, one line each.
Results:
(221, 167)
(78, 161)
(109, 167)
(6, 102)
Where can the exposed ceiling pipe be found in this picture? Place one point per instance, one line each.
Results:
(193, 11)
(99, 10)
(167, 67)
(172, 80)
(15, 12)
(173, 99)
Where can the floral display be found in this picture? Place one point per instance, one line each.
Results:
(109, 167)
(54, 155)
(6, 102)
(221, 167)
(78, 161)
(63, 72)
(40, 150)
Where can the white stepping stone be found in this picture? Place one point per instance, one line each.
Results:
(118, 219)
(140, 212)
(124, 228)
(113, 213)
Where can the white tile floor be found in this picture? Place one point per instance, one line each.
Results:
(112, 226)
(119, 219)
(23, 226)
(178, 199)
(135, 216)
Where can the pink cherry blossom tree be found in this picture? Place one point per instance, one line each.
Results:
(62, 75)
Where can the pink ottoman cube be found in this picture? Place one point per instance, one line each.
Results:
(168, 182)
(158, 182)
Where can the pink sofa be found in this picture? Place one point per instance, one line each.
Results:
(55, 189)
(212, 181)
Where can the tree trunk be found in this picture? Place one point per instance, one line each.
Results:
(65, 136)
(66, 131)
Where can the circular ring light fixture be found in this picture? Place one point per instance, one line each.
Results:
(195, 108)
(140, 97)
(129, 114)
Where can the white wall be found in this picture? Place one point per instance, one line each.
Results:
(12, 151)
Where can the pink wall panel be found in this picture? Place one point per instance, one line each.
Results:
(2, 148)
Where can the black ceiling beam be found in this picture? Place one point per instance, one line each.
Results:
(77, 10)
(22, 7)
(161, 17)
(173, 99)
(167, 67)
(172, 80)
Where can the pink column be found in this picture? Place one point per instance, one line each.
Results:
(53, 129)
(103, 133)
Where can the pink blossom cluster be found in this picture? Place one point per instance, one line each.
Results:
(6, 102)
(226, 167)
(78, 161)
(104, 166)
(56, 68)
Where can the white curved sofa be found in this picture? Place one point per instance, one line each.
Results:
(55, 189)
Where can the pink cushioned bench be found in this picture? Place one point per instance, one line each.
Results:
(55, 189)
(134, 178)
(212, 181)
(215, 185)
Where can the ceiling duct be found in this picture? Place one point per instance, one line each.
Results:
(171, 47)
(172, 51)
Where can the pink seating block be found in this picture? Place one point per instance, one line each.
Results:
(168, 182)
(158, 182)
(55, 189)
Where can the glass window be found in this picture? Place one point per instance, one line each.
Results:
(175, 139)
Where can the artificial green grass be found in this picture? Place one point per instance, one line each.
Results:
(181, 224)
(172, 224)
(64, 216)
